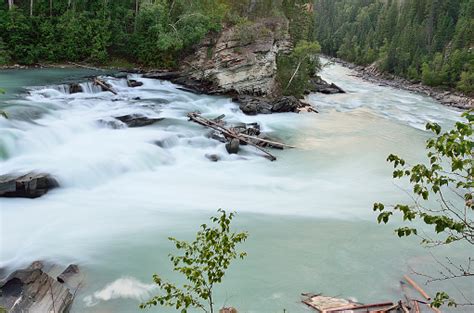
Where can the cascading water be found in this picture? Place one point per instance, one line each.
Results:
(125, 190)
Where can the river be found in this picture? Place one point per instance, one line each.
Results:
(308, 214)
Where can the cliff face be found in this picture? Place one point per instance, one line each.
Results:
(241, 59)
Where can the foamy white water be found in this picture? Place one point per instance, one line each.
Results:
(122, 194)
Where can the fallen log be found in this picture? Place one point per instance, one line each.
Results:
(417, 288)
(229, 133)
(360, 307)
(104, 85)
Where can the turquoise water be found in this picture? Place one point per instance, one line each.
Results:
(308, 214)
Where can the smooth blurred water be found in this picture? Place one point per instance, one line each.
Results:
(308, 214)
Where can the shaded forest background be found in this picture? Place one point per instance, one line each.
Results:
(423, 40)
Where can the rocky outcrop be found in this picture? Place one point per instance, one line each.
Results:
(258, 105)
(31, 185)
(242, 59)
(33, 290)
(320, 85)
(137, 120)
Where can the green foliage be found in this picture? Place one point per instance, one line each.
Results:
(427, 40)
(203, 262)
(450, 170)
(448, 178)
(294, 71)
(442, 298)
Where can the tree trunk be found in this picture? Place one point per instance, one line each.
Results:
(294, 74)
(10, 4)
(31, 7)
(50, 8)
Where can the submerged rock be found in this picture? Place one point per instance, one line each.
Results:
(137, 120)
(75, 88)
(233, 146)
(35, 291)
(286, 104)
(31, 185)
(213, 157)
(134, 83)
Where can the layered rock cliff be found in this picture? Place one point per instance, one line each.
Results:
(242, 59)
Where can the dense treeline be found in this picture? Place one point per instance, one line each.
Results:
(424, 40)
(93, 30)
(150, 32)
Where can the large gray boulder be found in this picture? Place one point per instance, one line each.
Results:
(31, 185)
(33, 290)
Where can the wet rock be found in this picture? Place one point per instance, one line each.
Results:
(33, 290)
(75, 88)
(134, 83)
(137, 120)
(320, 85)
(68, 273)
(213, 157)
(111, 123)
(31, 185)
(233, 146)
(285, 104)
(254, 105)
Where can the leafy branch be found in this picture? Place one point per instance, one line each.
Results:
(203, 262)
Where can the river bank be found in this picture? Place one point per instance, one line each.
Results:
(372, 74)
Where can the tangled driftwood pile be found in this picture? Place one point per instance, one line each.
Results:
(236, 136)
(325, 304)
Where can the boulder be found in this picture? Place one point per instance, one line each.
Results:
(254, 105)
(31, 185)
(68, 273)
(137, 120)
(233, 146)
(33, 290)
(134, 83)
(286, 104)
(320, 85)
(75, 88)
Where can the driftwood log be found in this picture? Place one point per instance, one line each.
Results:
(105, 86)
(231, 133)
